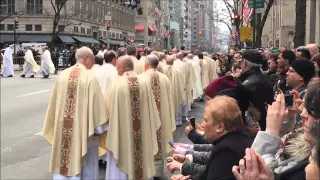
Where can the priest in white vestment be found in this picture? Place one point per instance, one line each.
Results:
(47, 66)
(212, 65)
(132, 51)
(107, 72)
(139, 66)
(98, 62)
(7, 70)
(30, 66)
(204, 71)
(197, 90)
(76, 116)
(184, 67)
(161, 88)
(133, 123)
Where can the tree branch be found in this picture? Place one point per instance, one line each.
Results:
(226, 25)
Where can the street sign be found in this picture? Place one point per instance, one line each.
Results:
(259, 4)
(246, 33)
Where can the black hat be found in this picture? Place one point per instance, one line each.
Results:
(253, 56)
(304, 68)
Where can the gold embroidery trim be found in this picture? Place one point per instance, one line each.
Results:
(67, 128)
(136, 124)
(155, 84)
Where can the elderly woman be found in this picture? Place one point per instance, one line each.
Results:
(267, 142)
(222, 120)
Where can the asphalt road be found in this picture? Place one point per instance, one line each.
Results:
(24, 152)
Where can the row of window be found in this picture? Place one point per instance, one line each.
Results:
(28, 27)
(32, 6)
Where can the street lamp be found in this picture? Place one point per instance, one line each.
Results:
(16, 26)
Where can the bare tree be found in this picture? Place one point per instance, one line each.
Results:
(17, 13)
(300, 30)
(58, 18)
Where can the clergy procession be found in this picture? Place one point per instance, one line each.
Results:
(121, 110)
(116, 115)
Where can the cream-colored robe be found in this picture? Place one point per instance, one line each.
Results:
(30, 64)
(212, 69)
(105, 75)
(47, 65)
(192, 78)
(78, 110)
(205, 80)
(176, 78)
(140, 65)
(119, 139)
(155, 81)
(197, 91)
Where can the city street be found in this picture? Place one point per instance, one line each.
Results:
(25, 154)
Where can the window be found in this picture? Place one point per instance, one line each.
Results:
(88, 31)
(113, 35)
(120, 36)
(61, 28)
(83, 30)
(2, 27)
(10, 27)
(117, 36)
(34, 6)
(38, 27)
(7, 6)
(75, 29)
(28, 27)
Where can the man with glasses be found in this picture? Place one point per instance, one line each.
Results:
(76, 116)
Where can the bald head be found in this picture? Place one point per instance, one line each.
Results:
(205, 54)
(155, 53)
(161, 56)
(126, 62)
(122, 51)
(313, 48)
(189, 56)
(169, 60)
(83, 52)
(153, 61)
(147, 51)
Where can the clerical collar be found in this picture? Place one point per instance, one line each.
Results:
(129, 74)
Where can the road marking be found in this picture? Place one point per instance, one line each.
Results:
(29, 94)
(38, 134)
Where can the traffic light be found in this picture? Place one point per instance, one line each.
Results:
(236, 19)
(236, 16)
(16, 24)
(233, 35)
(200, 33)
(131, 41)
(108, 26)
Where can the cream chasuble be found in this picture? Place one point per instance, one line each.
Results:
(175, 76)
(212, 69)
(204, 73)
(76, 109)
(133, 124)
(140, 65)
(197, 91)
(30, 63)
(192, 78)
(105, 75)
(161, 89)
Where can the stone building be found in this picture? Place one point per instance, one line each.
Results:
(81, 21)
(313, 22)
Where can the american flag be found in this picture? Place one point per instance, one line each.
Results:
(166, 32)
(246, 13)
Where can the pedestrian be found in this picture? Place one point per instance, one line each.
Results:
(75, 117)
(47, 65)
(7, 70)
(30, 66)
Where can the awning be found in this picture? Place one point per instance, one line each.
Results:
(103, 41)
(87, 40)
(152, 29)
(26, 38)
(66, 39)
(139, 27)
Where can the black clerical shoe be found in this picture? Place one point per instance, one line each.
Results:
(45, 76)
(32, 76)
(10, 76)
(23, 76)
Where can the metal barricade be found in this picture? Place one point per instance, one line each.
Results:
(59, 62)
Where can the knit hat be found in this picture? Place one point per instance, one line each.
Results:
(304, 68)
(220, 84)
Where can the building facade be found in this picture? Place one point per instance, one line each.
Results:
(176, 21)
(187, 19)
(280, 25)
(313, 22)
(81, 20)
